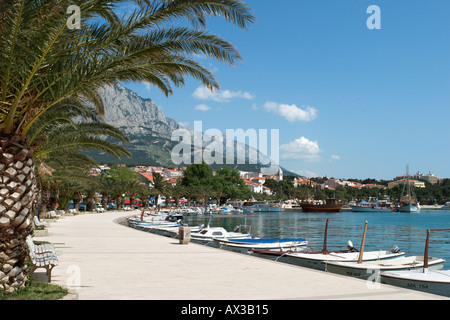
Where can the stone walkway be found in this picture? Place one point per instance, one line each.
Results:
(101, 259)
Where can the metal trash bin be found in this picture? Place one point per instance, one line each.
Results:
(184, 234)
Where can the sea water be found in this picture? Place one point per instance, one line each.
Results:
(408, 231)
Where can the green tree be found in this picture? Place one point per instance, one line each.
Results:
(228, 184)
(45, 63)
(197, 175)
(159, 186)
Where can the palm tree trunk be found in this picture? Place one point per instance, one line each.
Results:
(17, 193)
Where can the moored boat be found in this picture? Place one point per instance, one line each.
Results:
(408, 200)
(260, 206)
(371, 269)
(208, 234)
(372, 205)
(431, 281)
(248, 245)
(330, 205)
(313, 259)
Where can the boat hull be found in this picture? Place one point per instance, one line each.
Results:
(435, 282)
(366, 209)
(261, 210)
(409, 208)
(313, 208)
(314, 260)
(371, 269)
(248, 245)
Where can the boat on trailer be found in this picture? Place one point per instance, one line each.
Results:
(426, 280)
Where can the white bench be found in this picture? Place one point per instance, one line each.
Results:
(38, 223)
(42, 256)
(101, 209)
(53, 214)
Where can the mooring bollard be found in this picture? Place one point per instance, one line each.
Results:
(184, 234)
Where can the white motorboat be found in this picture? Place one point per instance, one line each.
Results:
(227, 209)
(372, 205)
(191, 211)
(431, 281)
(248, 245)
(260, 206)
(208, 234)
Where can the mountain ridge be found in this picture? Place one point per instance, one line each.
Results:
(150, 133)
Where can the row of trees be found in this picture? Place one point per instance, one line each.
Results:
(282, 190)
(198, 184)
(50, 70)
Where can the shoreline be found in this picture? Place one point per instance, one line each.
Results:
(101, 258)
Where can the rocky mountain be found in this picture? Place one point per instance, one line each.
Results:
(150, 132)
(134, 114)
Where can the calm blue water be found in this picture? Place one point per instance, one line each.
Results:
(406, 230)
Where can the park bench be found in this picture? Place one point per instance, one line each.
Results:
(53, 214)
(42, 256)
(38, 223)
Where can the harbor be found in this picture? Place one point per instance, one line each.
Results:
(101, 258)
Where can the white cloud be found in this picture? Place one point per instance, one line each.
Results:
(306, 173)
(292, 112)
(147, 85)
(335, 157)
(301, 149)
(203, 93)
(202, 107)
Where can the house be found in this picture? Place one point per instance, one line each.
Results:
(146, 177)
(172, 173)
(414, 183)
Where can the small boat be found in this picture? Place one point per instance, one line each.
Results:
(208, 234)
(408, 201)
(226, 209)
(431, 281)
(371, 269)
(372, 206)
(248, 245)
(330, 205)
(446, 205)
(260, 206)
(313, 259)
(190, 211)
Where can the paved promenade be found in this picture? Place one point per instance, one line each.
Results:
(101, 259)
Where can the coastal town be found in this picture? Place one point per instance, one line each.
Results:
(262, 186)
(255, 180)
(149, 152)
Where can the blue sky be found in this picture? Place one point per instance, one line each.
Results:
(349, 102)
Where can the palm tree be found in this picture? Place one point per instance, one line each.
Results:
(44, 63)
(57, 139)
(158, 185)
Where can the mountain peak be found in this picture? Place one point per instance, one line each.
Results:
(133, 114)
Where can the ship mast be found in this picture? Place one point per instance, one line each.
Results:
(408, 190)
